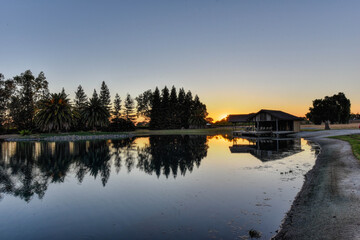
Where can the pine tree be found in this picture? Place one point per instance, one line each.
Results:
(129, 108)
(155, 112)
(105, 96)
(198, 113)
(187, 110)
(117, 106)
(80, 99)
(95, 96)
(181, 107)
(173, 111)
(165, 108)
(143, 107)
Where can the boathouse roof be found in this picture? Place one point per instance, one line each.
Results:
(240, 117)
(280, 115)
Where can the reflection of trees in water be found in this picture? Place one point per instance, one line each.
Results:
(168, 154)
(123, 147)
(31, 167)
(21, 177)
(96, 160)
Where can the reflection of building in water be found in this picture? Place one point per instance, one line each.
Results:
(267, 149)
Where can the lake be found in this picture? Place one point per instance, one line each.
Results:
(157, 187)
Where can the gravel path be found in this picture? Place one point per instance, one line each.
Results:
(328, 205)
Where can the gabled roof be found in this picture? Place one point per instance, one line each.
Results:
(275, 113)
(280, 115)
(240, 117)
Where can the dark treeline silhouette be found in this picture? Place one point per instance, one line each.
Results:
(334, 109)
(172, 110)
(31, 167)
(27, 104)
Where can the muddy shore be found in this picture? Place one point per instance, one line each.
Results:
(328, 205)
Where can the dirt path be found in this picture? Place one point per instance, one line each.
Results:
(328, 205)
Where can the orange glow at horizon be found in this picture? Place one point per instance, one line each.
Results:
(218, 113)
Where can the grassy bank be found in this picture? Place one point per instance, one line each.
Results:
(354, 141)
(139, 132)
(313, 127)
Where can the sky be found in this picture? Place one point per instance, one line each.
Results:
(238, 56)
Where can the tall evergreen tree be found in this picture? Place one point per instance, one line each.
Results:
(181, 107)
(42, 87)
(105, 96)
(165, 108)
(155, 113)
(80, 99)
(173, 109)
(117, 106)
(129, 108)
(187, 109)
(143, 107)
(198, 113)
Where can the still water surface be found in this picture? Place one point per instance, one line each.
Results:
(158, 187)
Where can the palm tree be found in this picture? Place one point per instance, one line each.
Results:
(54, 113)
(95, 113)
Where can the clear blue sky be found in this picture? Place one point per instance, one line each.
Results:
(239, 56)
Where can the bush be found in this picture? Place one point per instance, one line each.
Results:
(120, 124)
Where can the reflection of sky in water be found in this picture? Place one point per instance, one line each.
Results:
(224, 197)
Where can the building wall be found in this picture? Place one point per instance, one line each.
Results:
(263, 117)
(297, 126)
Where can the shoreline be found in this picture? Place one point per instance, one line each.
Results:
(78, 136)
(69, 138)
(328, 204)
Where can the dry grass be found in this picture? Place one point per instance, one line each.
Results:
(333, 126)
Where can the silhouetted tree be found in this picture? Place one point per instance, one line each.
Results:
(198, 114)
(334, 109)
(186, 111)
(144, 104)
(55, 113)
(41, 87)
(80, 99)
(105, 96)
(173, 110)
(165, 108)
(129, 108)
(80, 102)
(117, 106)
(23, 107)
(95, 113)
(155, 112)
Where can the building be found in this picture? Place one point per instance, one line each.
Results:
(265, 122)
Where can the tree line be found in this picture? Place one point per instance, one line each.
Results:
(171, 110)
(26, 103)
